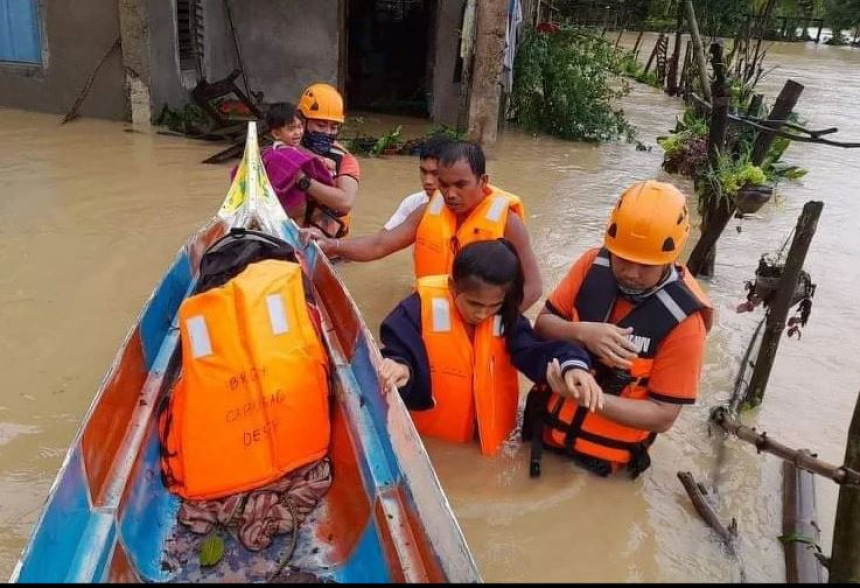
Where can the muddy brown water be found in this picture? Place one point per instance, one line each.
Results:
(91, 215)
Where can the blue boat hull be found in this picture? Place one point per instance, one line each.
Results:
(108, 514)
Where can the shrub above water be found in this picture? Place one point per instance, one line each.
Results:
(565, 84)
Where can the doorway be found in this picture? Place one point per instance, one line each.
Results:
(389, 55)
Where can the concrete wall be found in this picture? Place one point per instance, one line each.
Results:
(75, 37)
(446, 92)
(287, 44)
(165, 84)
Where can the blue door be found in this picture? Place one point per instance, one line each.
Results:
(20, 39)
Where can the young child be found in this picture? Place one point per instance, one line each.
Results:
(286, 160)
(453, 349)
(285, 125)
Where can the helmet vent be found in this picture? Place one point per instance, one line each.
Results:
(613, 230)
(669, 244)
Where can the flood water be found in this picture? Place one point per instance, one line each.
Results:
(91, 215)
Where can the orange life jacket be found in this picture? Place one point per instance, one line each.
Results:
(331, 222)
(252, 401)
(470, 379)
(439, 238)
(573, 429)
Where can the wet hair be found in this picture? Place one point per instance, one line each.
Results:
(432, 147)
(496, 263)
(464, 151)
(280, 114)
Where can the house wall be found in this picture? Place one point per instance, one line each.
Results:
(285, 44)
(73, 43)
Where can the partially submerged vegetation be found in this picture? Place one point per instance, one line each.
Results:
(360, 142)
(567, 83)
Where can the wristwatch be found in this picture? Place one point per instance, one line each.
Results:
(304, 183)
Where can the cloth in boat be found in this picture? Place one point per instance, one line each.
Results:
(259, 515)
(283, 164)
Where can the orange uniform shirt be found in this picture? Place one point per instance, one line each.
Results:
(675, 374)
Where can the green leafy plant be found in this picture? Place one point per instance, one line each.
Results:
(389, 140)
(188, 120)
(566, 84)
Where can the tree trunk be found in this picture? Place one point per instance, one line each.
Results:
(486, 80)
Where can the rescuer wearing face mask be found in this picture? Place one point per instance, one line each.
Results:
(328, 207)
(643, 319)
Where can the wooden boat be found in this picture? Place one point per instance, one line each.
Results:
(384, 518)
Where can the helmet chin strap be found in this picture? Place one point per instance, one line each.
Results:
(638, 295)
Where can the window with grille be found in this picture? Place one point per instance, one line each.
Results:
(189, 29)
(20, 35)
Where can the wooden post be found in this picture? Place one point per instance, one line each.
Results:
(682, 84)
(672, 75)
(653, 53)
(487, 71)
(701, 262)
(818, 36)
(699, 49)
(719, 105)
(755, 105)
(800, 533)
(778, 312)
(717, 222)
(845, 559)
(636, 45)
(785, 103)
(618, 40)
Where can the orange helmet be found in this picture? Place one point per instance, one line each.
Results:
(649, 225)
(322, 101)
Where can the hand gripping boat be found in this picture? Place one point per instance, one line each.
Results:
(384, 519)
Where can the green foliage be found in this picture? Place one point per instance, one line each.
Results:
(188, 120)
(732, 174)
(565, 84)
(686, 148)
(389, 140)
(450, 132)
(841, 15)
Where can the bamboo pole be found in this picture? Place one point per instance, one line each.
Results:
(800, 532)
(845, 559)
(845, 475)
(778, 311)
(672, 75)
(699, 50)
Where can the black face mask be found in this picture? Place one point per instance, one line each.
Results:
(319, 143)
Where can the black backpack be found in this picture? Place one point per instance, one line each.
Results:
(231, 254)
